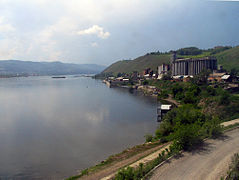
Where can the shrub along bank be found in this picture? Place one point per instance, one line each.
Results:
(233, 173)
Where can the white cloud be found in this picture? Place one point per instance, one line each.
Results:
(95, 29)
(4, 26)
(94, 44)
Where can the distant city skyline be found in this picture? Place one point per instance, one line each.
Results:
(102, 32)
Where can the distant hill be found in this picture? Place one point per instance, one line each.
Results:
(227, 56)
(139, 64)
(13, 67)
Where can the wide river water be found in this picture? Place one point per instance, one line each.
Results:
(51, 128)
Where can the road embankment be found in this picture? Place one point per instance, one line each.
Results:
(209, 162)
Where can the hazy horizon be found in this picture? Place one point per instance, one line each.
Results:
(93, 32)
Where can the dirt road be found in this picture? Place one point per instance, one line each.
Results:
(108, 172)
(228, 123)
(210, 162)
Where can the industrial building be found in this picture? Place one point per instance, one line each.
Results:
(163, 69)
(193, 66)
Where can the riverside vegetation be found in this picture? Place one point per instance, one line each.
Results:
(202, 109)
(233, 172)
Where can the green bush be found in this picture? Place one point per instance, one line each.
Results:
(162, 94)
(145, 82)
(148, 137)
(212, 128)
(125, 174)
(187, 136)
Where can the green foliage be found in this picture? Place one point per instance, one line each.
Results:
(148, 137)
(229, 58)
(234, 72)
(125, 174)
(139, 64)
(166, 77)
(212, 128)
(145, 82)
(233, 173)
(189, 51)
(138, 173)
(177, 89)
(219, 49)
(187, 136)
(201, 78)
(163, 94)
(224, 98)
(104, 75)
(187, 126)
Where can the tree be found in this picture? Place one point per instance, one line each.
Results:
(187, 136)
(201, 78)
(234, 72)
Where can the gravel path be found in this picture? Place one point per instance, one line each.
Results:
(228, 123)
(210, 162)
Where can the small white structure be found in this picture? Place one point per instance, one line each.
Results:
(120, 78)
(225, 77)
(166, 107)
(162, 110)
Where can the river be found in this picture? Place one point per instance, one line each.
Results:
(52, 128)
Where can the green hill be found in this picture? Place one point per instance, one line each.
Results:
(227, 56)
(229, 59)
(139, 64)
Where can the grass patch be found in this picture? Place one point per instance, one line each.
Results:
(116, 158)
(233, 172)
(143, 169)
(231, 126)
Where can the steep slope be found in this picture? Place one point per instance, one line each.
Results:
(139, 64)
(229, 58)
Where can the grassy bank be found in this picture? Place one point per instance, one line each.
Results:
(233, 172)
(111, 160)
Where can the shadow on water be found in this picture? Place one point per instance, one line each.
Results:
(136, 94)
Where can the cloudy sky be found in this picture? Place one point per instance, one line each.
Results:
(104, 31)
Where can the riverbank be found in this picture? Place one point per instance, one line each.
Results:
(147, 90)
(112, 164)
(133, 157)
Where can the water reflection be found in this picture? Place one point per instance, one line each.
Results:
(50, 128)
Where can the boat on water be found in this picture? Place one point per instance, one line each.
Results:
(57, 77)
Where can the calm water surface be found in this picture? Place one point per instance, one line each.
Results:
(50, 128)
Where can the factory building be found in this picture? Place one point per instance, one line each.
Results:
(193, 66)
(163, 69)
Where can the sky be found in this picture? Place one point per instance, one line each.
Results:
(105, 31)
